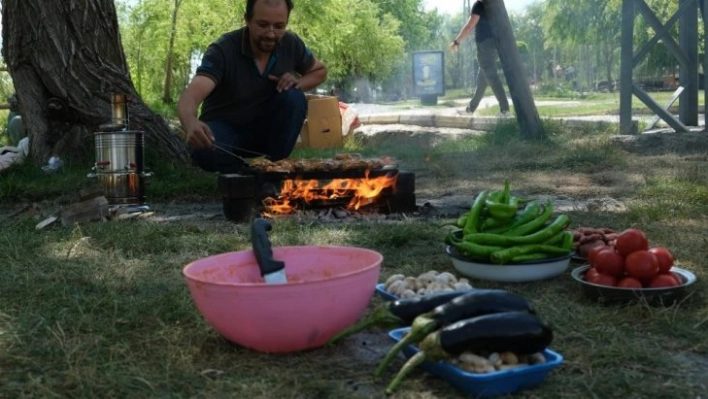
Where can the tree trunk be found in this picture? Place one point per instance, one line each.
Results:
(66, 61)
(524, 105)
(167, 94)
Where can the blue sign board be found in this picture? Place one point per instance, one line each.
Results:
(428, 73)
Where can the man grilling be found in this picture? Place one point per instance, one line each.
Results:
(250, 85)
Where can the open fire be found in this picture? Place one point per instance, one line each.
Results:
(357, 192)
(347, 182)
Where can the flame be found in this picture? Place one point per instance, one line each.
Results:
(362, 191)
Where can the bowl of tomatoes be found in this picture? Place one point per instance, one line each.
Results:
(632, 270)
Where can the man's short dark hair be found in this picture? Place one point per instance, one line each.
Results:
(251, 3)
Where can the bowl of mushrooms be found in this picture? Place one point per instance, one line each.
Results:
(400, 286)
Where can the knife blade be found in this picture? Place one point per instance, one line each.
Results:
(272, 270)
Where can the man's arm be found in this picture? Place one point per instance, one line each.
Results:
(308, 81)
(197, 133)
(314, 77)
(469, 26)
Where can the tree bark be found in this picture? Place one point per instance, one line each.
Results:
(66, 61)
(167, 93)
(524, 105)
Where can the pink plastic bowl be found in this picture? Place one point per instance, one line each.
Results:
(328, 289)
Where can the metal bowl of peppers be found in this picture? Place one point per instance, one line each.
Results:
(509, 273)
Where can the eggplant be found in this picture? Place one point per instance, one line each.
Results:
(398, 313)
(473, 303)
(517, 332)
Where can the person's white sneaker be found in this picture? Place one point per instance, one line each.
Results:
(505, 114)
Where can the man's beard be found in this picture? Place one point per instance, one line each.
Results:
(266, 45)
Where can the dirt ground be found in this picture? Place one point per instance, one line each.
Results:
(434, 201)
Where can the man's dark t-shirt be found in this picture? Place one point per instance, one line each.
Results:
(483, 30)
(241, 89)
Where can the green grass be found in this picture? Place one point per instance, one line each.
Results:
(588, 104)
(102, 310)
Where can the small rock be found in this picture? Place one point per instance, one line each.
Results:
(605, 205)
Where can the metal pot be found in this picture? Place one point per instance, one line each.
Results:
(123, 188)
(120, 152)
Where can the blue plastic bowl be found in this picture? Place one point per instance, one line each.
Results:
(486, 385)
(381, 290)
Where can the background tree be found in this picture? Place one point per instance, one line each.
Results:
(528, 27)
(588, 22)
(147, 31)
(66, 61)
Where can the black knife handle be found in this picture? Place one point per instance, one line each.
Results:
(262, 247)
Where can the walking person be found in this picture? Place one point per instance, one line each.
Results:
(250, 86)
(487, 55)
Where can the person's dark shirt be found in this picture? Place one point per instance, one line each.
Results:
(483, 30)
(240, 87)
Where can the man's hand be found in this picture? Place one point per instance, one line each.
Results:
(454, 46)
(285, 82)
(198, 135)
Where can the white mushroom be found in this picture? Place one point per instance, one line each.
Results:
(495, 359)
(434, 287)
(397, 287)
(424, 280)
(393, 278)
(509, 358)
(460, 286)
(446, 278)
(431, 273)
(537, 358)
(411, 283)
(408, 294)
(471, 358)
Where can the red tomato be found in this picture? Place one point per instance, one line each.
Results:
(591, 275)
(663, 280)
(629, 282)
(593, 252)
(631, 240)
(664, 257)
(677, 277)
(609, 262)
(641, 265)
(604, 279)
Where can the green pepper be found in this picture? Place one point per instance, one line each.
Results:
(500, 229)
(503, 211)
(451, 238)
(529, 257)
(476, 251)
(530, 212)
(506, 196)
(492, 223)
(505, 255)
(533, 225)
(462, 220)
(567, 242)
(560, 223)
(556, 240)
(496, 196)
(474, 214)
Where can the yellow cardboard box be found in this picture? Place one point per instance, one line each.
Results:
(323, 127)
